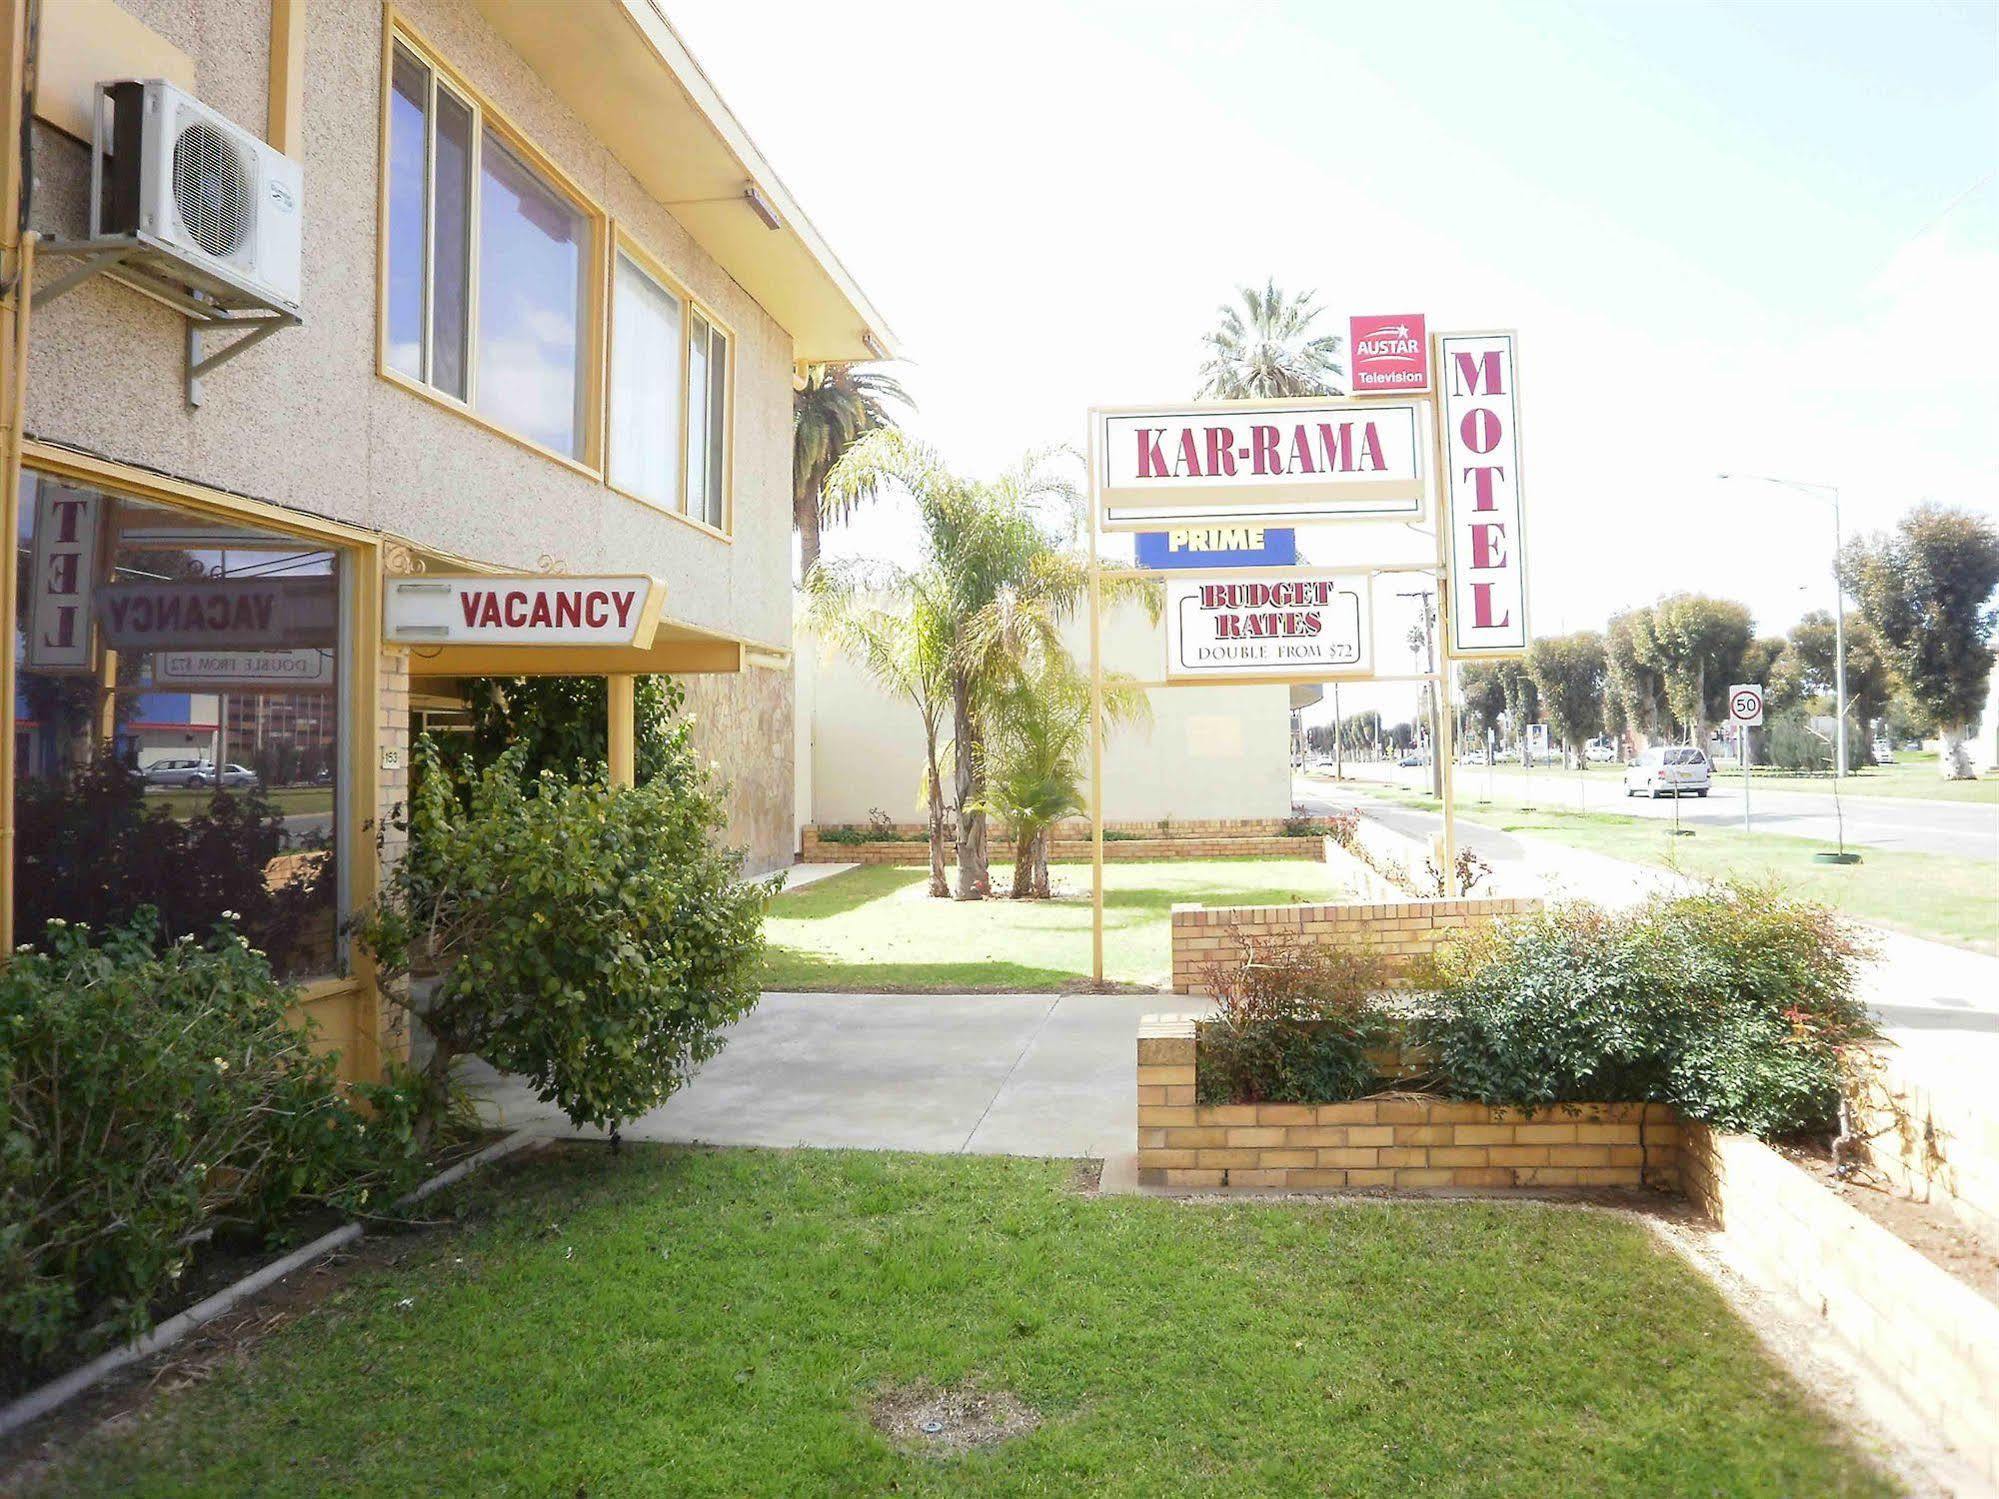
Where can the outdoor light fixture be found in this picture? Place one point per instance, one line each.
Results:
(874, 345)
(760, 206)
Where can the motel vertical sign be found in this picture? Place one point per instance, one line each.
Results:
(1480, 444)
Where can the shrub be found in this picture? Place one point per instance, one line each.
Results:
(1297, 1021)
(152, 1098)
(593, 939)
(1735, 1004)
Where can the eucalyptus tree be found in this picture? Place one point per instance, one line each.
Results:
(1926, 587)
(1697, 646)
(1808, 667)
(1630, 676)
(837, 406)
(891, 622)
(1264, 348)
(1568, 673)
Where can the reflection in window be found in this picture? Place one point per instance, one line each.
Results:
(409, 188)
(645, 387)
(530, 302)
(176, 724)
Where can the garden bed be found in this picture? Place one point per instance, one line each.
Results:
(1408, 1141)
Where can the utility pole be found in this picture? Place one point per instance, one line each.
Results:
(1339, 733)
(1429, 606)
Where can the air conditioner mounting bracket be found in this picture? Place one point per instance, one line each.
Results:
(211, 302)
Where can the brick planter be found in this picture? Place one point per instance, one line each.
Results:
(1406, 1141)
(1065, 850)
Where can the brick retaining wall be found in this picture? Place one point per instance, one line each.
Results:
(1396, 1140)
(1933, 1339)
(1405, 930)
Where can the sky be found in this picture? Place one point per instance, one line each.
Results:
(1743, 238)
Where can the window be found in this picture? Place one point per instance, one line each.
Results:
(488, 285)
(177, 724)
(669, 396)
(645, 387)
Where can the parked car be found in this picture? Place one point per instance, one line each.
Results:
(1668, 770)
(190, 774)
(1413, 759)
(1884, 752)
(1601, 754)
(237, 777)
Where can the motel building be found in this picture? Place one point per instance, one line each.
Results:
(372, 348)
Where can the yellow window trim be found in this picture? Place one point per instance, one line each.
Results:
(623, 243)
(485, 116)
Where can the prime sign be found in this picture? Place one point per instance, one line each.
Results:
(1306, 625)
(1481, 444)
(1267, 462)
(502, 610)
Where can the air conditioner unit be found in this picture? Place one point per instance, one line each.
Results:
(173, 173)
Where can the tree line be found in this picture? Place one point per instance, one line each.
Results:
(1918, 653)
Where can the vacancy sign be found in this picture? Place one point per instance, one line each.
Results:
(505, 610)
(1390, 355)
(1481, 443)
(1248, 463)
(1308, 625)
(1745, 705)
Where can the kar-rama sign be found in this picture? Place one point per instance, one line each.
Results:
(1272, 463)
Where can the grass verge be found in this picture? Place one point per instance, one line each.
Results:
(1937, 896)
(695, 1323)
(874, 928)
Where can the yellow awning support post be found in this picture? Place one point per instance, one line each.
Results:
(623, 730)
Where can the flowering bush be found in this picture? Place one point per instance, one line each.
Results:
(152, 1097)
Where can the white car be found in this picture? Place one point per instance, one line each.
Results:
(192, 774)
(1601, 754)
(1668, 770)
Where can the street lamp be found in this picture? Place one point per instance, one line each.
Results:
(1825, 491)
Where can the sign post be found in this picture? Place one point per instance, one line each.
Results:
(1745, 711)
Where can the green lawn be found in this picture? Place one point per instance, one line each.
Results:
(686, 1323)
(1929, 895)
(1910, 776)
(875, 929)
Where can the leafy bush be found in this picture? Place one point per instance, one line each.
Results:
(150, 1099)
(1115, 835)
(1734, 1004)
(563, 723)
(593, 939)
(850, 835)
(1297, 1021)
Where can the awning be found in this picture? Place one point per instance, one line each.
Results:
(543, 625)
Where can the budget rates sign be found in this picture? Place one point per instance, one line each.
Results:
(1483, 521)
(1309, 625)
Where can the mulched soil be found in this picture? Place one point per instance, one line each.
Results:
(923, 1418)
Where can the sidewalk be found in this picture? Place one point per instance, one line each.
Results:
(984, 1074)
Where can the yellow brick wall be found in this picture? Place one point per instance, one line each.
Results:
(1930, 1336)
(999, 851)
(1405, 931)
(1396, 1140)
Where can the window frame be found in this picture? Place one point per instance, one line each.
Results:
(592, 314)
(649, 265)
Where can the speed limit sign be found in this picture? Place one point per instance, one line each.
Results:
(1745, 705)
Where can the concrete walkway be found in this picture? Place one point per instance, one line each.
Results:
(988, 1074)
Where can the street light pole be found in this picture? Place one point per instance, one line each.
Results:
(1842, 764)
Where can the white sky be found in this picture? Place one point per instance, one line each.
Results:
(1752, 238)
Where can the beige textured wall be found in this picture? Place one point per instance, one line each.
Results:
(1209, 753)
(743, 724)
(304, 421)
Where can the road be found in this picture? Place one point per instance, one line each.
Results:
(1966, 830)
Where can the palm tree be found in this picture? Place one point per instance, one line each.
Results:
(1035, 768)
(1263, 349)
(838, 405)
(890, 622)
(1004, 585)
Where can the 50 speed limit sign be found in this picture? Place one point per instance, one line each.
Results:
(1745, 705)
